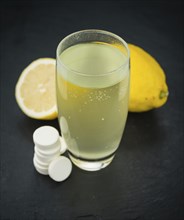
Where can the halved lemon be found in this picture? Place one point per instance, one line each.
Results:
(35, 89)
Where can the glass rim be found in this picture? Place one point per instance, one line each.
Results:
(88, 31)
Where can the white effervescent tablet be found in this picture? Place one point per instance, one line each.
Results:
(60, 168)
(45, 158)
(64, 125)
(40, 169)
(40, 162)
(63, 145)
(48, 152)
(45, 136)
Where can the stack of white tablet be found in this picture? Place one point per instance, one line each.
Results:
(48, 147)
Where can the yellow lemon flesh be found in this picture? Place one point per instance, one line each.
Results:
(35, 90)
(148, 88)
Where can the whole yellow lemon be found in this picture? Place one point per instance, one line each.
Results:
(148, 88)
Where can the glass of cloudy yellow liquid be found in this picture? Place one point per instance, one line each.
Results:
(92, 95)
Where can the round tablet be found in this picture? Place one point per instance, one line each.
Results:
(64, 125)
(45, 136)
(60, 168)
(45, 159)
(40, 162)
(63, 145)
(40, 169)
(49, 147)
(48, 152)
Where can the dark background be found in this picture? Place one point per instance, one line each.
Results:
(145, 180)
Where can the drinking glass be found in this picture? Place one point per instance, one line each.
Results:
(92, 86)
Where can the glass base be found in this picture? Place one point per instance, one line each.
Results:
(91, 165)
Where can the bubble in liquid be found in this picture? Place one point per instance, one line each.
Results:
(98, 95)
